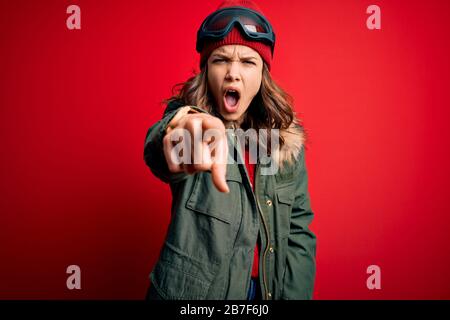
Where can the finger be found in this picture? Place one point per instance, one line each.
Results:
(202, 161)
(210, 122)
(206, 162)
(173, 160)
(195, 128)
(218, 173)
(206, 157)
(219, 166)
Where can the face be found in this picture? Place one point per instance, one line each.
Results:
(234, 78)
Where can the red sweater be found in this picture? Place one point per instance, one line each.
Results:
(251, 173)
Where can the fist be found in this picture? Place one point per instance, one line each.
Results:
(196, 143)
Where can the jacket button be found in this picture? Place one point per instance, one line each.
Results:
(269, 202)
(269, 295)
(271, 249)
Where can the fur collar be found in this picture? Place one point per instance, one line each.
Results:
(294, 140)
(288, 154)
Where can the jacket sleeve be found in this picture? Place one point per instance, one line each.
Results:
(300, 266)
(153, 147)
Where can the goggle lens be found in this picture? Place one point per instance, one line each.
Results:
(249, 20)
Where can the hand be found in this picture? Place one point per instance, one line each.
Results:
(204, 147)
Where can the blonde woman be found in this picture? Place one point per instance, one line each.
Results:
(237, 231)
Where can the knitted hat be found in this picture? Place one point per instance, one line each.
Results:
(235, 36)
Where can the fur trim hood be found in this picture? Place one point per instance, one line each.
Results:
(294, 140)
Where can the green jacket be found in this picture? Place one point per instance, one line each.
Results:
(208, 250)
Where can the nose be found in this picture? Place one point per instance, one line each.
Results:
(233, 72)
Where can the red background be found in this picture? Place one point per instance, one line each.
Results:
(75, 106)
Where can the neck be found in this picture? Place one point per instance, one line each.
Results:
(232, 124)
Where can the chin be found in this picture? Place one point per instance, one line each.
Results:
(232, 117)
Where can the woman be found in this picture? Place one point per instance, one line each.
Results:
(235, 232)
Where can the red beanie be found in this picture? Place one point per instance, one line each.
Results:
(235, 36)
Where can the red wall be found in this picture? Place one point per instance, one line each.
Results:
(75, 106)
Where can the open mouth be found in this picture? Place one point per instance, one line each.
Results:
(231, 100)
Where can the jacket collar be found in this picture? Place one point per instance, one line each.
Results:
(294, 140)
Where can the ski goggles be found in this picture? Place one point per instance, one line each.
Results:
(218, 24)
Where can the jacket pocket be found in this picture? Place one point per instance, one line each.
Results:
(178, 276)
(206, 199)
(285, 198)
(284, 211)
(212, 217)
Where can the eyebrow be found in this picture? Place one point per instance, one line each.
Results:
(220, 55)
(248, 58)
(224, 55)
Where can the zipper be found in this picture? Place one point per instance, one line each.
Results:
(257, 169)
(267, 234)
